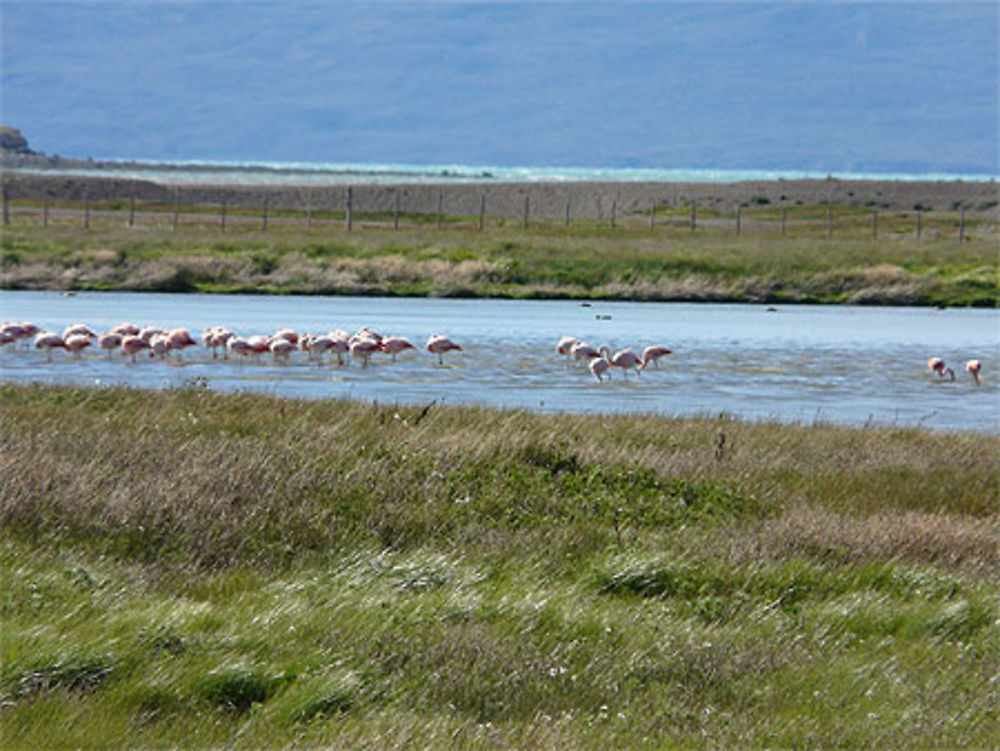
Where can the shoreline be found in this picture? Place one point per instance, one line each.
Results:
(551, 200)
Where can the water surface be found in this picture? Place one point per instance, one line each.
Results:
(800, 364)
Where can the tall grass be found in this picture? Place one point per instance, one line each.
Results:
(586, 261)
(187, 569)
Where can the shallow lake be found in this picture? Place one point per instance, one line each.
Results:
(799, 364)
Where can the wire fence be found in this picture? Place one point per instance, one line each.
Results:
(240, 214)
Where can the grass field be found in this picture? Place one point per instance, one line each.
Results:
(184, 569)
(588, 260)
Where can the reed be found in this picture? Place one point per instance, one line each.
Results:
(190, 569)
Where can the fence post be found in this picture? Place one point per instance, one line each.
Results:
(874, 223)
(652, 218)
(440, 206)
(263, 226)
(918, 223)
(739, 219)
(961, 225)
(222, 214)
(45, 215)
(784, 220)
(395, 211)
(348, 218)
(86, 212)
(309, 216)
(526, 209)
(131, 211)
(693, 219)
(829, 221)
(567, 213)
(614, 213)
(177, 207)
(6, 208)
(482, 211)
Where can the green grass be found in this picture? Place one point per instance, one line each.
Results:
(587, 261)
(184, 569)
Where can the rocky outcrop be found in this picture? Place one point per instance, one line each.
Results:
(12, 141)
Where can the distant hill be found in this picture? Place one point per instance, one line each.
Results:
(11, 140)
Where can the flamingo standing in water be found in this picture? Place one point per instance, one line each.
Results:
(133, 344)
(393, 345)
(626, 359)
(281, 347)
(584, 351)
(565, 347)
(598, 367)
(109, 342)
(76, 343)
(936, 364)
(438, 344)
(652, 354)
(974, 366)
(364, 348)
(48, 341)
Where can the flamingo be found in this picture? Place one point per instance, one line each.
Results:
(180, 338)
(239, 346)
(76, 343)
(132, 344)
(364, 348)
(565, 346)
(159, 344)
(584, 351)
(936, 364)
(626, 359)
(290, 335)
(148, 332)
(438, 345)
(652, 354)
(598, 367)
(48, 341)
(281, 347)
(126, 329)
(393, 345)
(974, 366)
(78, 328)
(109, 342)
(7, 336)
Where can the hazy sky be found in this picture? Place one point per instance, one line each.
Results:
(909, 87)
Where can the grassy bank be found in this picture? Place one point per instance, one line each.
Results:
(186, 569)
(587, 261)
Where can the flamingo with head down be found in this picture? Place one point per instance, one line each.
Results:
(974, 366)
(936, 364)
(652, 354)
(438, 344)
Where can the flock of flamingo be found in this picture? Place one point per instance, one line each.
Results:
(130, 340)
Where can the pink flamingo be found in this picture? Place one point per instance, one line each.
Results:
(7, 336)
(78, 328)
(159, 344)
(281, 347)
(126, 329)
(565, 345)
(438, 345)
(290, 335)
(598, 367)
(626, 359)
(180, 338)
(48, 341)
(936, 364)
(148, 332)
(76, 343)
(109, 342)
(652, 354)
(239, 346)
(584, 351)
(974, 366)
(132, 344)
(364, 349)
(393, 345)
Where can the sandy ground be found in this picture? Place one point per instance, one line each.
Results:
(584, 199)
